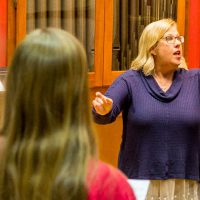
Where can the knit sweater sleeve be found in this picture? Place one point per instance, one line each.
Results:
(120, 94)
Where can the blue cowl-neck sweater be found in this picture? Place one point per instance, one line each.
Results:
(161, 130)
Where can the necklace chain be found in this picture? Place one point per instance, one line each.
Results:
(163, 86)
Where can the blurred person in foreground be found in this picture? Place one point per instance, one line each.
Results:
(48, 150)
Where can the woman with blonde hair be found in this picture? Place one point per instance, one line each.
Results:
(159, 101)
(49, 150)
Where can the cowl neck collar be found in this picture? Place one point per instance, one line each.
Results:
(155, 91)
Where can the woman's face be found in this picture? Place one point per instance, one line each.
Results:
(168, 52)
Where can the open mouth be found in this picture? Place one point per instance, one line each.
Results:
(178, 53)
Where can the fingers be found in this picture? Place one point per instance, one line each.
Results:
(98, 107)
(102, 104)
(103, 98)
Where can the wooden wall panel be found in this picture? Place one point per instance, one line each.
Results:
(108, 136)
(109, 140)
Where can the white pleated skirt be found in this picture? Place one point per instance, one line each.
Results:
(173, 189)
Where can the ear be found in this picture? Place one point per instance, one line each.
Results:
(153, 51)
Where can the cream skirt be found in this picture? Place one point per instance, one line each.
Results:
(173, 189)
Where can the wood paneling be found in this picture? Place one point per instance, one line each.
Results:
(11, 36)
(181, 16)
(108, 140)
(20, 20)
(108, 136)
(96, 76)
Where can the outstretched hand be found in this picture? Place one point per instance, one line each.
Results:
(102, 104)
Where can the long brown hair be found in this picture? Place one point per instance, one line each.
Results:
(47, 122)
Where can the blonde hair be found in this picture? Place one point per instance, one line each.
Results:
(148, 40)
(48, 126)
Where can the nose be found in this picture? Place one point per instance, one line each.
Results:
(177, 42)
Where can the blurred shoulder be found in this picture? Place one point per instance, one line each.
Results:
(128, 76)
(190, 72)
(131, 73)
(110, 183)
(105, 170)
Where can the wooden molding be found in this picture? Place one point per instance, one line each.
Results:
(21, 20)
(99, 43)
(11, 31)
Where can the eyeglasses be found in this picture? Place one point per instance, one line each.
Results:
(170, 39)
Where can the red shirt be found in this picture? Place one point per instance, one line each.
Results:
(108, 183)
